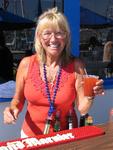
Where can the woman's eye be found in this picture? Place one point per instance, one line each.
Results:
(47, 33)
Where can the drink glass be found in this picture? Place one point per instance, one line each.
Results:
(89, 83)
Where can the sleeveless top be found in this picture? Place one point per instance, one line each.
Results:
(37, 101)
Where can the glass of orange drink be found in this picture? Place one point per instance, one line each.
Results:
(89, 83)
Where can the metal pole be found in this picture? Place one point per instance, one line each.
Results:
(22, 7)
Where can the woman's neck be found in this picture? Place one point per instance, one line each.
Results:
(52, 62)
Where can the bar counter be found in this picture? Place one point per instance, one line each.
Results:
(102, 142)
(85, 138)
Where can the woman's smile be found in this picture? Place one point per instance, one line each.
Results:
(54, 46)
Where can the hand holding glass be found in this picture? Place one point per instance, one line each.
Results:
(89, 83)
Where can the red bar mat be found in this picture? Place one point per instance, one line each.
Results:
(43, 141)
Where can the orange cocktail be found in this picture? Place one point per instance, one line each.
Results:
(89, 83)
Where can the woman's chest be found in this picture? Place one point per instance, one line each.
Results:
(36, 89)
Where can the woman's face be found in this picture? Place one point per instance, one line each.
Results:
(53, 41)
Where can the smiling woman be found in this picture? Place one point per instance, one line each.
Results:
(46, 27)
(51, 81)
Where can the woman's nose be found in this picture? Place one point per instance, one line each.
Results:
(53, 37)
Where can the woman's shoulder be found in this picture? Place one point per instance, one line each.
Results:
(24, 65)
(77, 61)
(79, 64)
(26, 60)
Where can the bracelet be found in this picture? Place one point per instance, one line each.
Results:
(82, 119)
(90, 98)
(84, 115)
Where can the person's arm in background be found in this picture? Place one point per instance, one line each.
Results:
(11, 112)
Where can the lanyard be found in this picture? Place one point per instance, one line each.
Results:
(51, 100)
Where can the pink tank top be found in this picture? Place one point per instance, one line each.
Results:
(38, 105)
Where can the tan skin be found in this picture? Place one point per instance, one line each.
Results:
(53, 48)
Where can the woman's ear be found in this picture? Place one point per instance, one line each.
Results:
(37, 35)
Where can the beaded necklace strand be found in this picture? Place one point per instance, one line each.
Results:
(51, 100)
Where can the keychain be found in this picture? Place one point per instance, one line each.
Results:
(47, 125)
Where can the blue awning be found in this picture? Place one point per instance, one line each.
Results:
(90, 19)
(10, 21)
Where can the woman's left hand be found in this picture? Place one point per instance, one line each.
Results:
(99, 89)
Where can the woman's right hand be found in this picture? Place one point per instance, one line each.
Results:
(10, 115)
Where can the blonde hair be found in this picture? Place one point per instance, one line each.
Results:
(52, 18)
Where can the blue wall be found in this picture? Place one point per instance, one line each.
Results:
(72, 12)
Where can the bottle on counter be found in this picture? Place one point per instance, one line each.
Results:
(57, 122)
(83, 120)
(70, 119)
(89, 121)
